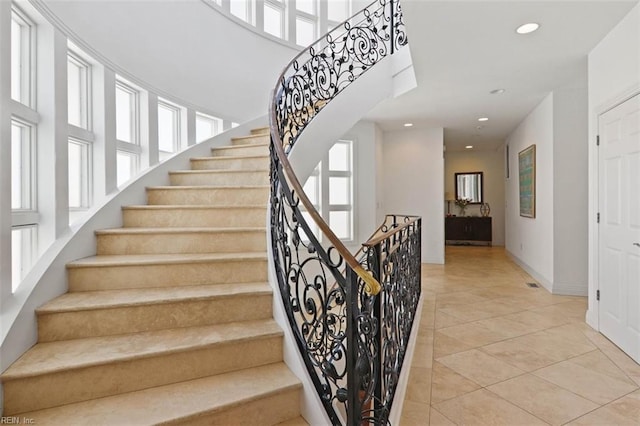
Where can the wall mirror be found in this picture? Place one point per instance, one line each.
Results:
(469, 186)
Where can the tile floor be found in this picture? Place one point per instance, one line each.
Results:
(493, 351)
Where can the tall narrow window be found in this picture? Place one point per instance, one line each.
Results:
(274, 17)
(78, 92)
(330, 189)
(127, 166)
(24, 245)
(22, 166)
(312, 189)
(79, 175)
(337, 10)
(305, 31)
(341, 189)
(22, 37)
(168, 128)
(207, 126)
(241, 9)
(127, 105)
(127, 131)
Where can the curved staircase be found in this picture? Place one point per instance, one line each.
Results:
(171, 321)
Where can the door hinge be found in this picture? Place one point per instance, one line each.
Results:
(597, 294)
(598, 140)
(598, 218)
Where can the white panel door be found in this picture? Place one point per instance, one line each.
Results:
(619, 250)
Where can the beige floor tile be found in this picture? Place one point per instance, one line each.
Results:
(483, 369)
(485, 408)
(474, 334)
(593, 385)
(597, 361)
(443, 320)
(458, 298)
(506, 326)
(444, 345)
(414, 414)
(447, 384)
(419, 386)
(436, 418)
(422, 355)
(535, 321)
(520, 354)
(623, 412)
(545, 400)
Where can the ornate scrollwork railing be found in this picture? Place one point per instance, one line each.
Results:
(352, 347)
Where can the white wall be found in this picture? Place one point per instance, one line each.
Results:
(552, 247)
(570, 199)
(491, 163)
(530, 241)
(614, 75)
(413, 183)
(185, 49)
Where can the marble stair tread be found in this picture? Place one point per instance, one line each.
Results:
(104, 299)
(230, 157)
(192, 207)
(241, 147)
(153, 259)
(261, 131)
(177, 230)
(219, 171)
(201, 187)
(50, 357)
(250, 136)
(298, 421)
(176, 403)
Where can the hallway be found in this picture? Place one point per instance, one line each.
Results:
(492, 350)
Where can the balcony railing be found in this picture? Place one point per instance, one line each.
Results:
(351, 318)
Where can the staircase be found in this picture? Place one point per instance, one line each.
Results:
(171, 321)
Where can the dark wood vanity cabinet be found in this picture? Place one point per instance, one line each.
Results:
(467, 230)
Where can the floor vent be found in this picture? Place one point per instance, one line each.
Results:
(533, 285)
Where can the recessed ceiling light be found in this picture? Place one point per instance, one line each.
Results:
(483, 119)
(408, 124)
(469, 146)
(497, 91)
(527, 28)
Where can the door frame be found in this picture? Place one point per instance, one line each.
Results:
(593, 310)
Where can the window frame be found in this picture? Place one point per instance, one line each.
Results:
(31, 160)
(86, 175)
(134, 115)
(217, 124)
(177, 113)
(28, 65)
(282, 7)
(86, 95)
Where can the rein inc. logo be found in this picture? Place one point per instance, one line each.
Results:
(5, 420)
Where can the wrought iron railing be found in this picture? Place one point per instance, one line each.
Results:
(351, 336)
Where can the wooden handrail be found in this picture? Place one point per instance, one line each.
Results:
(371, 285)
(378, 239)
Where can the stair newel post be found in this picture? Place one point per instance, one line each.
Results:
(376, 270)
(354, 409)
(392, 26)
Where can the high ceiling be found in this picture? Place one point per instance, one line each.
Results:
(462, 50)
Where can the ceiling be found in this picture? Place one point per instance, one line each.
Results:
(462, 50)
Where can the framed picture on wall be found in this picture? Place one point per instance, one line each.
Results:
(527, 177)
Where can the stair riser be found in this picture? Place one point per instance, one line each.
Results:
(187, 242)
(260, 131)
(182, 218)
(222, 163)
(254, 139)
(70, 386)
(220, 179)
(270, 410)
(240, 150)
(132, 319)
(208, 196)
(166, 275)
